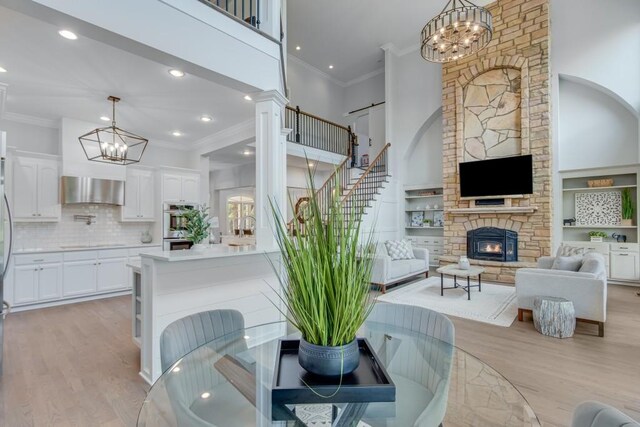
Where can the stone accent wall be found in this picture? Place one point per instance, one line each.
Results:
(519, 52)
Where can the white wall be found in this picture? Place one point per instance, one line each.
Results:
(598, 41)
(32, 138)
(424, 159)
(364, 93)
(416, 94)
(314, 92)
(594, 129)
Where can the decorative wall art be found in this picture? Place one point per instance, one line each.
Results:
(438, 219)
(601, 208)
(417, 219)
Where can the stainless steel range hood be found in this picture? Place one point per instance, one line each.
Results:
(85, 190)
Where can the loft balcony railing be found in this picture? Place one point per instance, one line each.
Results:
(247, 11)
(316, 132)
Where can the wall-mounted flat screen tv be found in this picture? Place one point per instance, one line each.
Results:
(506, 176)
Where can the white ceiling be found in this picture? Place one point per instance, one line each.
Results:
(233, 155)
(348, 34)
(50, 77)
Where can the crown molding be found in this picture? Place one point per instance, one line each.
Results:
(365, 77)
(315, 70)
(31, 120)
(247, 125)
(408, 49)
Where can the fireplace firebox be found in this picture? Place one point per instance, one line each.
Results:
(492, 244)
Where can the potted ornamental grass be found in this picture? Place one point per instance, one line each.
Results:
(196, 226)
(325, 281)
(628, 208)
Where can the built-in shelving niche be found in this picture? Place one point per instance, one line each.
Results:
(572, 184)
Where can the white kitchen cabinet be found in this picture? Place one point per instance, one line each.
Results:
(79, 277)
(25, 279)
(50, 282)
(171, 188)
(139, 196)
(34, 186)
(624, 266)
(36, 282)
(180, 187)
(191, 188)
(112, 274)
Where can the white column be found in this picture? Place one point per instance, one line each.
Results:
(271, 164)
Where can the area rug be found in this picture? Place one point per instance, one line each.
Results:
(496, 304)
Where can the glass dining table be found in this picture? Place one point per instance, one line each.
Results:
(228, 382)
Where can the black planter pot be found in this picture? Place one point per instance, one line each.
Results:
(329, 361)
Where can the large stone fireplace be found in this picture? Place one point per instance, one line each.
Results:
(496, 104)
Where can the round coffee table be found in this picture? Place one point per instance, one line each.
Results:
(455, 271)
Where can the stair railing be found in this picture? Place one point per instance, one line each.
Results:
(324, 194)
(367, 186)
(313, 131)
(247, 11)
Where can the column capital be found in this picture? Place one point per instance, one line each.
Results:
(272, 95)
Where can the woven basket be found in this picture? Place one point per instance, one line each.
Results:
(600, 182)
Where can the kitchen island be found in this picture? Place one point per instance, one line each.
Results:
(175, 284)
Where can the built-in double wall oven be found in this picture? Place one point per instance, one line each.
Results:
(173, 226)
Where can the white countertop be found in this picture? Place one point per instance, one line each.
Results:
(217, 251)
(73, 248)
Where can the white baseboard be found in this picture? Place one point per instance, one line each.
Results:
(65, 301)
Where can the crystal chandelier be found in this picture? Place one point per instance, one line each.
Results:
(462, 28)
(111, 144)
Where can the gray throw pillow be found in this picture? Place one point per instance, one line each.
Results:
(566, 250)
(567, 263)
(399, 249)
(594, 263)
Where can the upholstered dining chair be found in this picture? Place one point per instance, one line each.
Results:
(186, 334)
(222, 333)
(596, 414)
(427, 376)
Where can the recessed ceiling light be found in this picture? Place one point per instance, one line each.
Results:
(206, 119)
(104, 118)
(246, 337)
(69, 35)
(176, 73)
(3, 70)
(247, 152)
(176, 133)
(205, 395)
(298, 48)
(310, 164)
(248, 98)
(331, 67)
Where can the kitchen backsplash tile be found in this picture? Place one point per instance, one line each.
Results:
(105, 228)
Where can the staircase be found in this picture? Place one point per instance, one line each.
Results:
(357, 192)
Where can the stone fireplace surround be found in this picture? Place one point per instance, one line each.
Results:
(520, 43)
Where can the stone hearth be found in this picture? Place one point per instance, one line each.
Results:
(496, 104)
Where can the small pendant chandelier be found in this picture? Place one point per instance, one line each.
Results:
(462, 28)
(112, 144)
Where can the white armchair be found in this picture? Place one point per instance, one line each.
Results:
(387, 272)
(587, 291)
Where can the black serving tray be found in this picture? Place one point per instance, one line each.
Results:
(368, 383)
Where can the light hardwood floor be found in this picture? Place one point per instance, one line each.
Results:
(75, 365)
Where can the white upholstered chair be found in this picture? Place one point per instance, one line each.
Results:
(587, 291)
